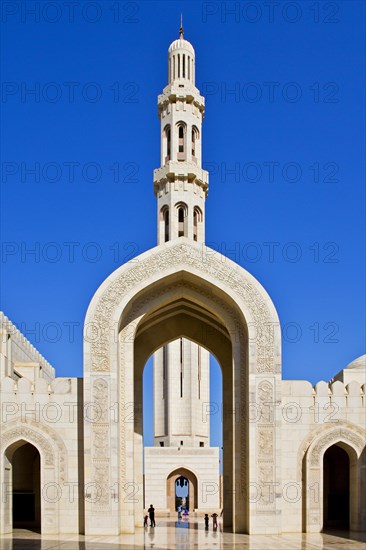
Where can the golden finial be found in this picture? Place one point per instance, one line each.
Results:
(181, 31)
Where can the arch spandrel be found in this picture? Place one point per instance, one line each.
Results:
(182, 256)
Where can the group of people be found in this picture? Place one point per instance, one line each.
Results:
(151, 516)
(214, 521)
(182, 511)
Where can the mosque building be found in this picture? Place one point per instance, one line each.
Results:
(72, 455)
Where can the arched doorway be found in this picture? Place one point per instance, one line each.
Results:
(336, 488)
(26, 485)
(182, 493)
(182, 484)
(333, 476)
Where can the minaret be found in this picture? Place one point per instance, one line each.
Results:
(180, 184)
(181, 368)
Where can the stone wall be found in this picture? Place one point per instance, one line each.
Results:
(311, 413)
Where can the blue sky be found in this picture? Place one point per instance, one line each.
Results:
(283, 139)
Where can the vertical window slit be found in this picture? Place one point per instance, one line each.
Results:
(181, 367)
(181, 222)
(165, 350)
(199, 372)
(166, 225)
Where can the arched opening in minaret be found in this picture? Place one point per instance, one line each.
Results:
(24, 461)
(181, 156)
(166, 144)
(181, 221)
(164, 221)
(182, 215)
(197, 224)
(195, 138)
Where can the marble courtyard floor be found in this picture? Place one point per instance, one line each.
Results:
(188, 535)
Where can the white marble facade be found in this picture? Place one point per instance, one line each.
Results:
(72, 457)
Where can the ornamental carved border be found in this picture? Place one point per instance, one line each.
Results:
(332, 437)
(122, 395)
(100, 446)
(320, 432)
(266, 445)
(44, 432)
(31, 436)
(180, 256)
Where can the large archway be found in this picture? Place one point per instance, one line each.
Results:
(175, 292)
(185, 317)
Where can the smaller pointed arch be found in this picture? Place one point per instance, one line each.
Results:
(182, 136)
(182, 215)
(195, 136)
(165, 222)
(197, 221)
(182, 477)
(166, 143)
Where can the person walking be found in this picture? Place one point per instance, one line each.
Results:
(207, 519)
(214, 519)
(151, 511)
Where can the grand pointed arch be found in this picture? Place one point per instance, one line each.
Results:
(179, 289)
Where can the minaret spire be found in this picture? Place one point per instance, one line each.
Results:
(181, 31)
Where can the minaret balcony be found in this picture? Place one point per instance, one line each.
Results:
(187, 171)
(183, 91)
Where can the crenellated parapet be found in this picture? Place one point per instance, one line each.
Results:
(18, 357)
(58, 386)
(326, 402)
(46, 403)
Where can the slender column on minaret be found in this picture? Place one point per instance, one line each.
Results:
(181, 368)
